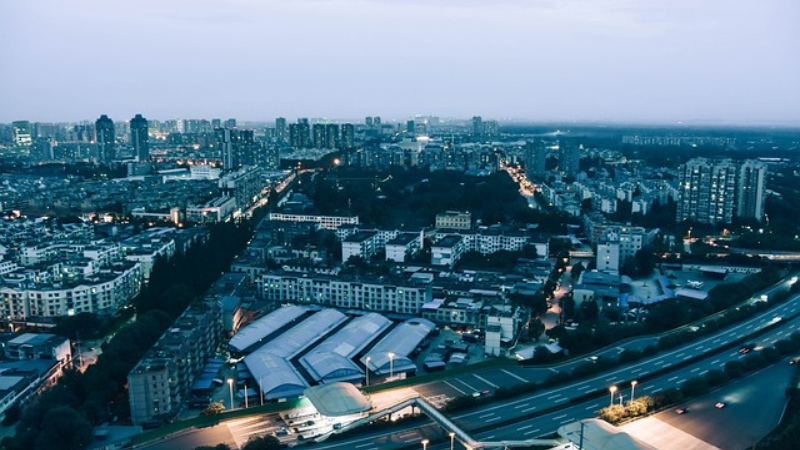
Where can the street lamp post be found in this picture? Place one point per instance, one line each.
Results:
(367, 368)
(620, 399)
(391, 365)
(452, 439)
(612, 390)
(230, 387)
(245, 397)
(425, 444)
(261, 389)
(633, 389)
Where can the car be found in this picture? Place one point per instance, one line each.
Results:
(792, 361)
(746, 348)
(719, 405)
(682, 410)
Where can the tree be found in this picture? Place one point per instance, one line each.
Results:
(64, 428)
(213, 409)
(262, 443)
(216, 447)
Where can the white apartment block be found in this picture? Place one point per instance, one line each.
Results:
(403, 246)
(364, 244)
(327, 222)
(402, 298)
(103, 294)
(216, 210)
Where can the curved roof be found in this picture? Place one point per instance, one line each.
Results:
(337, 399)
(333, 358)
(401, 342)
(298, 338)
(601, 435)
(262, 328)
(275, 376)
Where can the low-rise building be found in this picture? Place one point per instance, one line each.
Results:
(456, 220)
(447, 251)
(216, 210)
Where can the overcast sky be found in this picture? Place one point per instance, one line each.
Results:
(728, 61)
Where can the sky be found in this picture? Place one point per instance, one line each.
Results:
(626, 61)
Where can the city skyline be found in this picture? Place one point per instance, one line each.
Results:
(611, 61)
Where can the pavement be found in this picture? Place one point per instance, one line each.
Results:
(753, 408)
(540, 413)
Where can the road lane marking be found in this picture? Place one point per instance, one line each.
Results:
(553, 396)
(465, 384)
(584, 387)
(527, 410)
(521, 406)
(525, 427)
(485, 380)
(514, 375)
(528, 433)
(559, 417)
(459, 390)
(673, 378)
(486, 415)
(493, 419)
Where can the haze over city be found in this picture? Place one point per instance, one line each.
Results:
(399, 225)
(728, 62)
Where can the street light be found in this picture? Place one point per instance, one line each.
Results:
(391, 365)
(245, 397)
(633, 388)
(620, 399)
(452, 439)
(230, 386)
(425, 444)
(367, 367)
(612, 390)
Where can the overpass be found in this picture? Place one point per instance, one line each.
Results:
(443, 421)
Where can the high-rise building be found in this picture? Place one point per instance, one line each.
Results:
(300, 134)
(230, 123)
(368, 122)
(282, 133)
(751, 191)
(348, 135)
(569, 156)
(319, 135)
(535, 158)
(707, 190)
(139, 138)
(216, 123)
(22, 135)
(104, 130)
(332, 135)
(236, 147)
(491, 128)
(477, 126)
(410, 127)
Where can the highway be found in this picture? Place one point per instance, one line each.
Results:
(526, 413)
(539, 425)
(441, 391)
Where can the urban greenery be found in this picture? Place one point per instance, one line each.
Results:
(81, 400)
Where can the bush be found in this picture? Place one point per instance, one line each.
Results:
(716, 377)
(667, 397)
(627, 356)
(735, 369)
(694, 386)
(613, 414)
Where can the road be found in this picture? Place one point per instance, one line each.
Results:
(520, 409)
(544, 424)
(753, 407)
